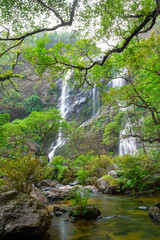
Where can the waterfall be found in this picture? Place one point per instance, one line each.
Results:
(63, 108)
(95, 101)
(128, 144)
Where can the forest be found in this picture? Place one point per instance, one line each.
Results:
(80, 95)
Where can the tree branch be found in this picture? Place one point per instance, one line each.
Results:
(11, 47)
(62, 24)
(52, 10)
(150, 27)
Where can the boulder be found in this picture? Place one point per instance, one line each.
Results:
(38, 195)
(88, 212)
(74, 183)
(154, 212)
(58, 193)
(104, 186)
(58, 211)
(112, 167)
(113, 173)
(22, 217)
(90, 188)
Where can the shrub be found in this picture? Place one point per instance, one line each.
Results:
(112, 181)
(80, 198)
(133, 169)
(58, 168)
(82, 175)
(21, 173)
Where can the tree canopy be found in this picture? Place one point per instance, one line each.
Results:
(115, 23)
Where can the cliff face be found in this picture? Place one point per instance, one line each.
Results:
(36, 94)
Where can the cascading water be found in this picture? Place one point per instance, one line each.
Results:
(95, 101)
(126, 144)
(63, 108)
(95, 105)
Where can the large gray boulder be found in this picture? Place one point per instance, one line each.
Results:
(22, 217)
(58, 192)
(103, 185)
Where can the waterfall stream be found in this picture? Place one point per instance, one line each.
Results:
(95, 101)
(63, 108)
(126, 144)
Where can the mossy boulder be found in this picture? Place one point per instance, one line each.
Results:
(154, 212)
(88, 212)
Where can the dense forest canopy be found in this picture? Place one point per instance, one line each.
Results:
(40, 42)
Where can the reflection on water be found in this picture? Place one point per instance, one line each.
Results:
(122, 218)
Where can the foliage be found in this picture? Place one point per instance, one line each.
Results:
(32, 103)
(80, 198)
(20, 173)
(82, 175)
(58, 168)
(33, 132)
(12, 103)
(99, 166)
(112, 181)
(112, 130)
(133, 170)
(4, 118)
(140, 94)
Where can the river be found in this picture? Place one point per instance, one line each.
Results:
(123, 218)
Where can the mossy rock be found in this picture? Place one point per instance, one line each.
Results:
(88, 212)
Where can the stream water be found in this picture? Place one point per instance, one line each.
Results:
(123, 218)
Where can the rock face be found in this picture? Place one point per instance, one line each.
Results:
(154, 212)
(22, 217)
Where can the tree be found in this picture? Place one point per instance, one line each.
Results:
(32, 133)
(141, 92)
(21, 19)
(4, 118)
(121, 20)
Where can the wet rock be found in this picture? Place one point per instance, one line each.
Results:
(46, 189)
(48, 183)
(58, 211)
(22, 217)
(90, 188)
(89, 212)
(154, 212)
(38, 195)
(112, 167)
(74, 183)
(102, 184)
(58, 185)
(59, 193)
(113, 173)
